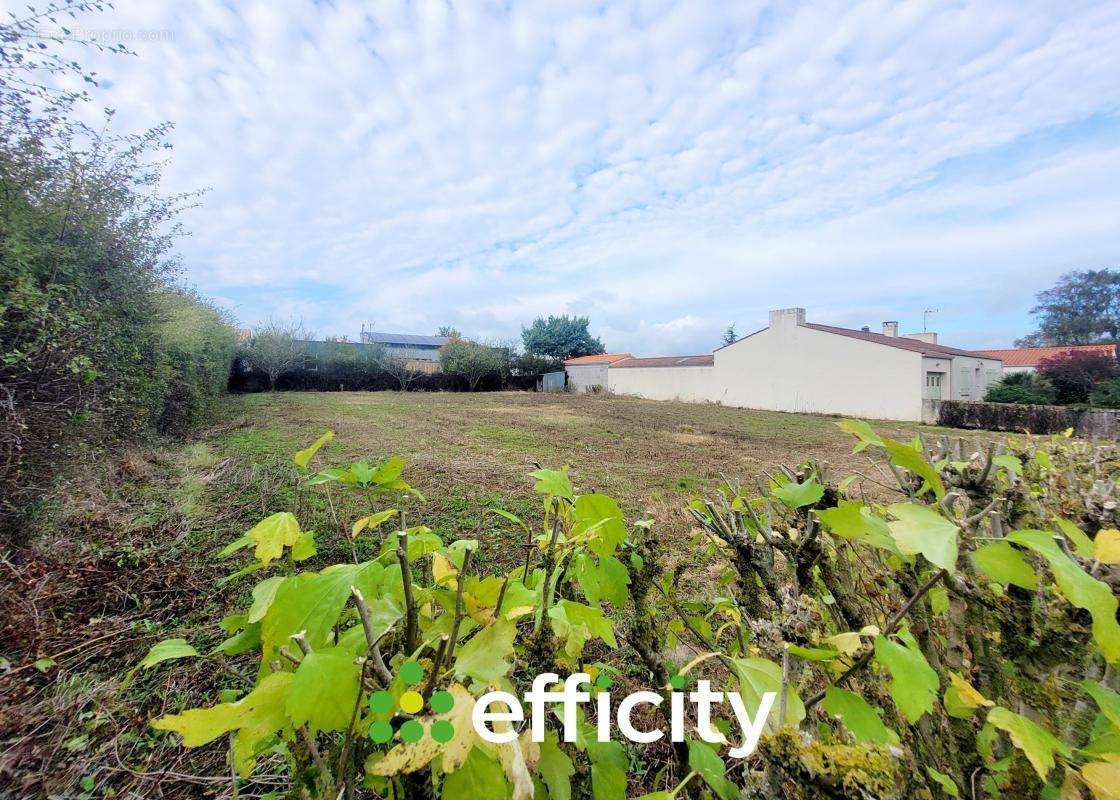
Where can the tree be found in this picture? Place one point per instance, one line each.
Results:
(400, 369)
(472, 360)
(274, 349)
(449, 331)
(1074, 374)
(560, 338)
(1082, 308)
(729, 336)
(1021, 387)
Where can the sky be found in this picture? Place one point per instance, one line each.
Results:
(664, 168)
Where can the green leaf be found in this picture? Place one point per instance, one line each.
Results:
(1010, 463)
(798, 495)
(910, 458)
(917, 529)
(813, 653)
(851, 519)
(862, 431)
(1037, 743)
(484, 656)
(263, 595)
(1079, 588)
(167, 650)
(272, 534)
(256, 716)
(914, 684)
(609, 765)
(312, 602)
(757, 676)
(939, 600)
(324, 690)
(703, 760)
(1082, 544)
(302, 458)
(859, 717)
(1107, 700)
(944, 781)
(240, 543)
(601, 516)
(480, 776)
(567, 614)
(304, 548)
(553, 482)
(1004, 564)
(555, 767)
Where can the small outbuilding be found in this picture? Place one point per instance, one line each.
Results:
(589, 373)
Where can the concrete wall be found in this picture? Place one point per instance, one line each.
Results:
(582, 377)
(690, 384)
(789, 367)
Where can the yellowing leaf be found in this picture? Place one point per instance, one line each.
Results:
(917, 529)
(846, 643)
(324, 690)
(272, 534)
(302, 458)
(443, 571)
(484, 656)
(961, 698)
(372, 521)
(1037, 743)
(1103, 778)
(1106, 547)
(757, 676)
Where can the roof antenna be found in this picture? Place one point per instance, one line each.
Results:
(925, 318)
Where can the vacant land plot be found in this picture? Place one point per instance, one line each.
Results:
(126, 554)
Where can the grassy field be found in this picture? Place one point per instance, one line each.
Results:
(124, 554)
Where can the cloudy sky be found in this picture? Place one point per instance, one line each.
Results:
(665, 168)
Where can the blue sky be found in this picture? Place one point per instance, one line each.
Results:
(664, 168)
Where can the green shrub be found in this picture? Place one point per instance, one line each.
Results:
(1021, 387)
(1106, 394)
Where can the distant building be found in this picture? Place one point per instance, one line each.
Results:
(1027, 359)
(586, 372)
(406, 345)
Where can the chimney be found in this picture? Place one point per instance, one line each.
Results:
(928, 338)
(890, 328)
(783, 317)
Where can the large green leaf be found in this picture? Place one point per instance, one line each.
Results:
(859, 717)
(567, 614)
(272, 534)
(484, 656)
(910, 458)
(263, 595)
(1079, 588)
(480, 776)
(324, 690)
(851, 519)
(862, 431)
(704, 761)
(913, 682)
(601, 516)
(1037, 743)
(757, 676)
(609, 764)
(555, 768)
(918, 529)
(553, 482)
(256, 716)
(799, 495)
(1107, 700)
(1004, 564)
(312, 602)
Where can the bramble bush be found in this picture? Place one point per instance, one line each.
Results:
(952, 637)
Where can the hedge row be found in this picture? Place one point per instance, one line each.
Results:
(350, 377)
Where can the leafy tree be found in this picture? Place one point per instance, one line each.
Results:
(1021, 387)
(449, 331)
(1106, 394)
(729, 336)
(1082, 308)
(560, 338)
(472, 360)
(1073, 375)
(275, 349)
(399, 368)
(532, 364)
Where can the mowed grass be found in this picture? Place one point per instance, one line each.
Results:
(470, 452)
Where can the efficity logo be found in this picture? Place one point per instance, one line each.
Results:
(565, 696)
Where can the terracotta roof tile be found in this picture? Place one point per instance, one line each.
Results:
(602, 358)
(1032, 356)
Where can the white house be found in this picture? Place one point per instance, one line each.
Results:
(794, 365)
(587, 372)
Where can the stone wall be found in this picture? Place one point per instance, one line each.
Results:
(1088, 422)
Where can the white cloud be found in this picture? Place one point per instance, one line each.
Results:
(666, 168)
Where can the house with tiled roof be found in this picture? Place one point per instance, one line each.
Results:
(589, 373)
(1027, 359)
(796, 365)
